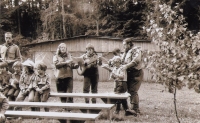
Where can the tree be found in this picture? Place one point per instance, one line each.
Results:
(177, 63)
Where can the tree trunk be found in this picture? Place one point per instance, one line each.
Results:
(175, 105)
(63, 20)
(97, 24)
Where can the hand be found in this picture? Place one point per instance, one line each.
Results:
(39, 90)
(2, 118)
(24, 92)
(124, 67)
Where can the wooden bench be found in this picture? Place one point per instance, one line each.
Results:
(89, 118)
(106, 97)
(85, 106)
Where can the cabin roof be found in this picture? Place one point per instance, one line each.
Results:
(84, 36)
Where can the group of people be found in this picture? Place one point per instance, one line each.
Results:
(21, 79)
(125, 69)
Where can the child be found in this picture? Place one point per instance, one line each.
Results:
(119, 76)
(5, 77)
(25, 83)
(91, 73)
(41, 84)
(14, 91)
(3, 107)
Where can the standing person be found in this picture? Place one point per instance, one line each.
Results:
(131, 60)
(41, 84)
(64, 74)
(26, 83)
(14, 91)
(10, 52)
(91, 73)
(5, 77)
(4, 105)
(120, 77)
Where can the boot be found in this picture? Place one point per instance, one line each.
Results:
(117, 108)
(135, 107)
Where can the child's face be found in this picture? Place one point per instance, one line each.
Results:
(89, 51)
(117, 64)
(2, 70)
(17, 69)
(39, 71)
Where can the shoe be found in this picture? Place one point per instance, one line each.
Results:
(116, 112)
(129, 112)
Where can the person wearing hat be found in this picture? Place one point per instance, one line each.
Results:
(5, 77)
(132, 63)
(14, 91)
(26, 83)
(10, 52)
(91, 73)
(4, 105)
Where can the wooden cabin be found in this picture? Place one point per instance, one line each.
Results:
(76, 46)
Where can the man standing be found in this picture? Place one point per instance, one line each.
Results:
(10, 52)
(132, 64)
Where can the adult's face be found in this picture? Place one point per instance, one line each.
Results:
(8, 38)
(63, 49)
(126, 46)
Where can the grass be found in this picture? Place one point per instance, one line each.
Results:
(156, 105)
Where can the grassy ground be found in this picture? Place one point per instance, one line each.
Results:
(156, 105)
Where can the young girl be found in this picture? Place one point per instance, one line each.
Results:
(41, 84)
(91, 74)
(14, 91)
(120, 78)
(25, 83)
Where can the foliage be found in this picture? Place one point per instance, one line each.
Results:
(177, 63)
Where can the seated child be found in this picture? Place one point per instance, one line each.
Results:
(25, 83)
(120, 78)
(3, 107)
(14, 91)
(41, 84)
(5, 77)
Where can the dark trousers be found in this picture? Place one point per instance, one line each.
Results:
(134, 80)
(42, 97)
(90, 82)
(65, 86)
(124, 104)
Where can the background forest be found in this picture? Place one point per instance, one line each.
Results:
(31, 20)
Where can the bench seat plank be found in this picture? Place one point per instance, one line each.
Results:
(52, 115)
(62, 105)
(92, 95)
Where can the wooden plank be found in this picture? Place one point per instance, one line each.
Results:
(62, 105)
(52, 115)
(92, 95)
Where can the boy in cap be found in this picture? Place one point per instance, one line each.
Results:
(41, 84)
(5, 77)
(120, 78)
(25, 82)
(91, 73)
(14, 91)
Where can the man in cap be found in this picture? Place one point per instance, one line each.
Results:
(131, 60)
(10, 52)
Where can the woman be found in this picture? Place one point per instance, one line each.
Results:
(64, 74)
